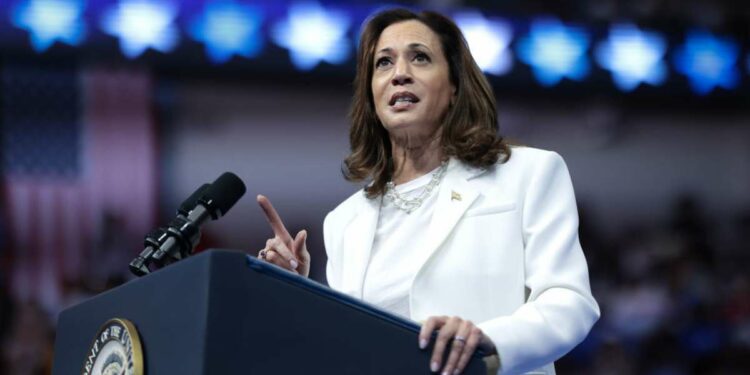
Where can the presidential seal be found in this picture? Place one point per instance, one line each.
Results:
(116, 350)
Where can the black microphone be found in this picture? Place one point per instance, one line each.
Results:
(191, 201)
(169, 244)
(154, 239)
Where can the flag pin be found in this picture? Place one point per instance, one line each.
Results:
(455, 196)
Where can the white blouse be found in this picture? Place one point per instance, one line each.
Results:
(397, 247)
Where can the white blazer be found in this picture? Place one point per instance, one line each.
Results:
(503, 253)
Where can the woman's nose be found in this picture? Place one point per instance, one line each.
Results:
(401, 73)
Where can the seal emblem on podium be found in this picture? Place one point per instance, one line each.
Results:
(115, 350)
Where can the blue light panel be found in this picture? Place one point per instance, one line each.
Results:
(555, 51)
(488, 41)
(141, 24)
(313, 34)
(633, 56)
(708, 62)
(227, 29)
(50, 21)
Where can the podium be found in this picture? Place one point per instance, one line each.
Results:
(224, 312)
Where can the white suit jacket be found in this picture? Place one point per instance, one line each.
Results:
(503, 252)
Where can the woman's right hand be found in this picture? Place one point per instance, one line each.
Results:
(283, 250)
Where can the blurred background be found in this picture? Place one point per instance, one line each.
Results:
(113, 112)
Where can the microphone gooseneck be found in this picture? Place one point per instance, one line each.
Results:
(178, 239)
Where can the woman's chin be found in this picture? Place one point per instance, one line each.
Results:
(406, 122)
(399, 126)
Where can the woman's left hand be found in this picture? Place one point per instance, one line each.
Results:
(460, 337)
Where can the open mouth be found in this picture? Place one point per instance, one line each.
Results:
(404, 97)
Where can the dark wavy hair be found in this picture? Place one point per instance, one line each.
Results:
(469, 131)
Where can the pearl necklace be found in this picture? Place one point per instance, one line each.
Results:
(409, 205)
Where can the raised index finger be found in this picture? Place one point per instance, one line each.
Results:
(273, 218)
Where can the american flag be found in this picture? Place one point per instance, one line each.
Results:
(79, 165)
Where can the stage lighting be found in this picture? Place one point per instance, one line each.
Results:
(313, 34)
(488, 41)
(50, 21)
(141, 24)
(708, 62)
(555, 51)
(227, 29)
(633, 56)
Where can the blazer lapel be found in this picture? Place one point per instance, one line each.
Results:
(455, 196)
(358, 239)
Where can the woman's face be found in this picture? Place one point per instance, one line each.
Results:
(411, 86)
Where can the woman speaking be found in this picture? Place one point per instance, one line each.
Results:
(456, 229)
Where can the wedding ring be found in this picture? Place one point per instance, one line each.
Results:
(460, 339)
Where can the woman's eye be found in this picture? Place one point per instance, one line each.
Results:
(383, 61)
(421, 57)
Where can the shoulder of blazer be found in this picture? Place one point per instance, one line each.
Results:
(529, 155)
(525, 161)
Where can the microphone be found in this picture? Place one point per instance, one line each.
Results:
(167, 245)
(191, 201)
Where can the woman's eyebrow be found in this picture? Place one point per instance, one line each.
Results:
(418, 46)
(411, 46)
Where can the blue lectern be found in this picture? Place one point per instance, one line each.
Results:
(223, 312)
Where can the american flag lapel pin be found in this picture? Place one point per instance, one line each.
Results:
(455, 196)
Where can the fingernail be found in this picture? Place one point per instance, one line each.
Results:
(435, 367)
(422, 344)
(446, 373)
(294, 264)
(456, 372)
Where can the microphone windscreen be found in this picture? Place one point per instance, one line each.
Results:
(192, 201)
(224, 193)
